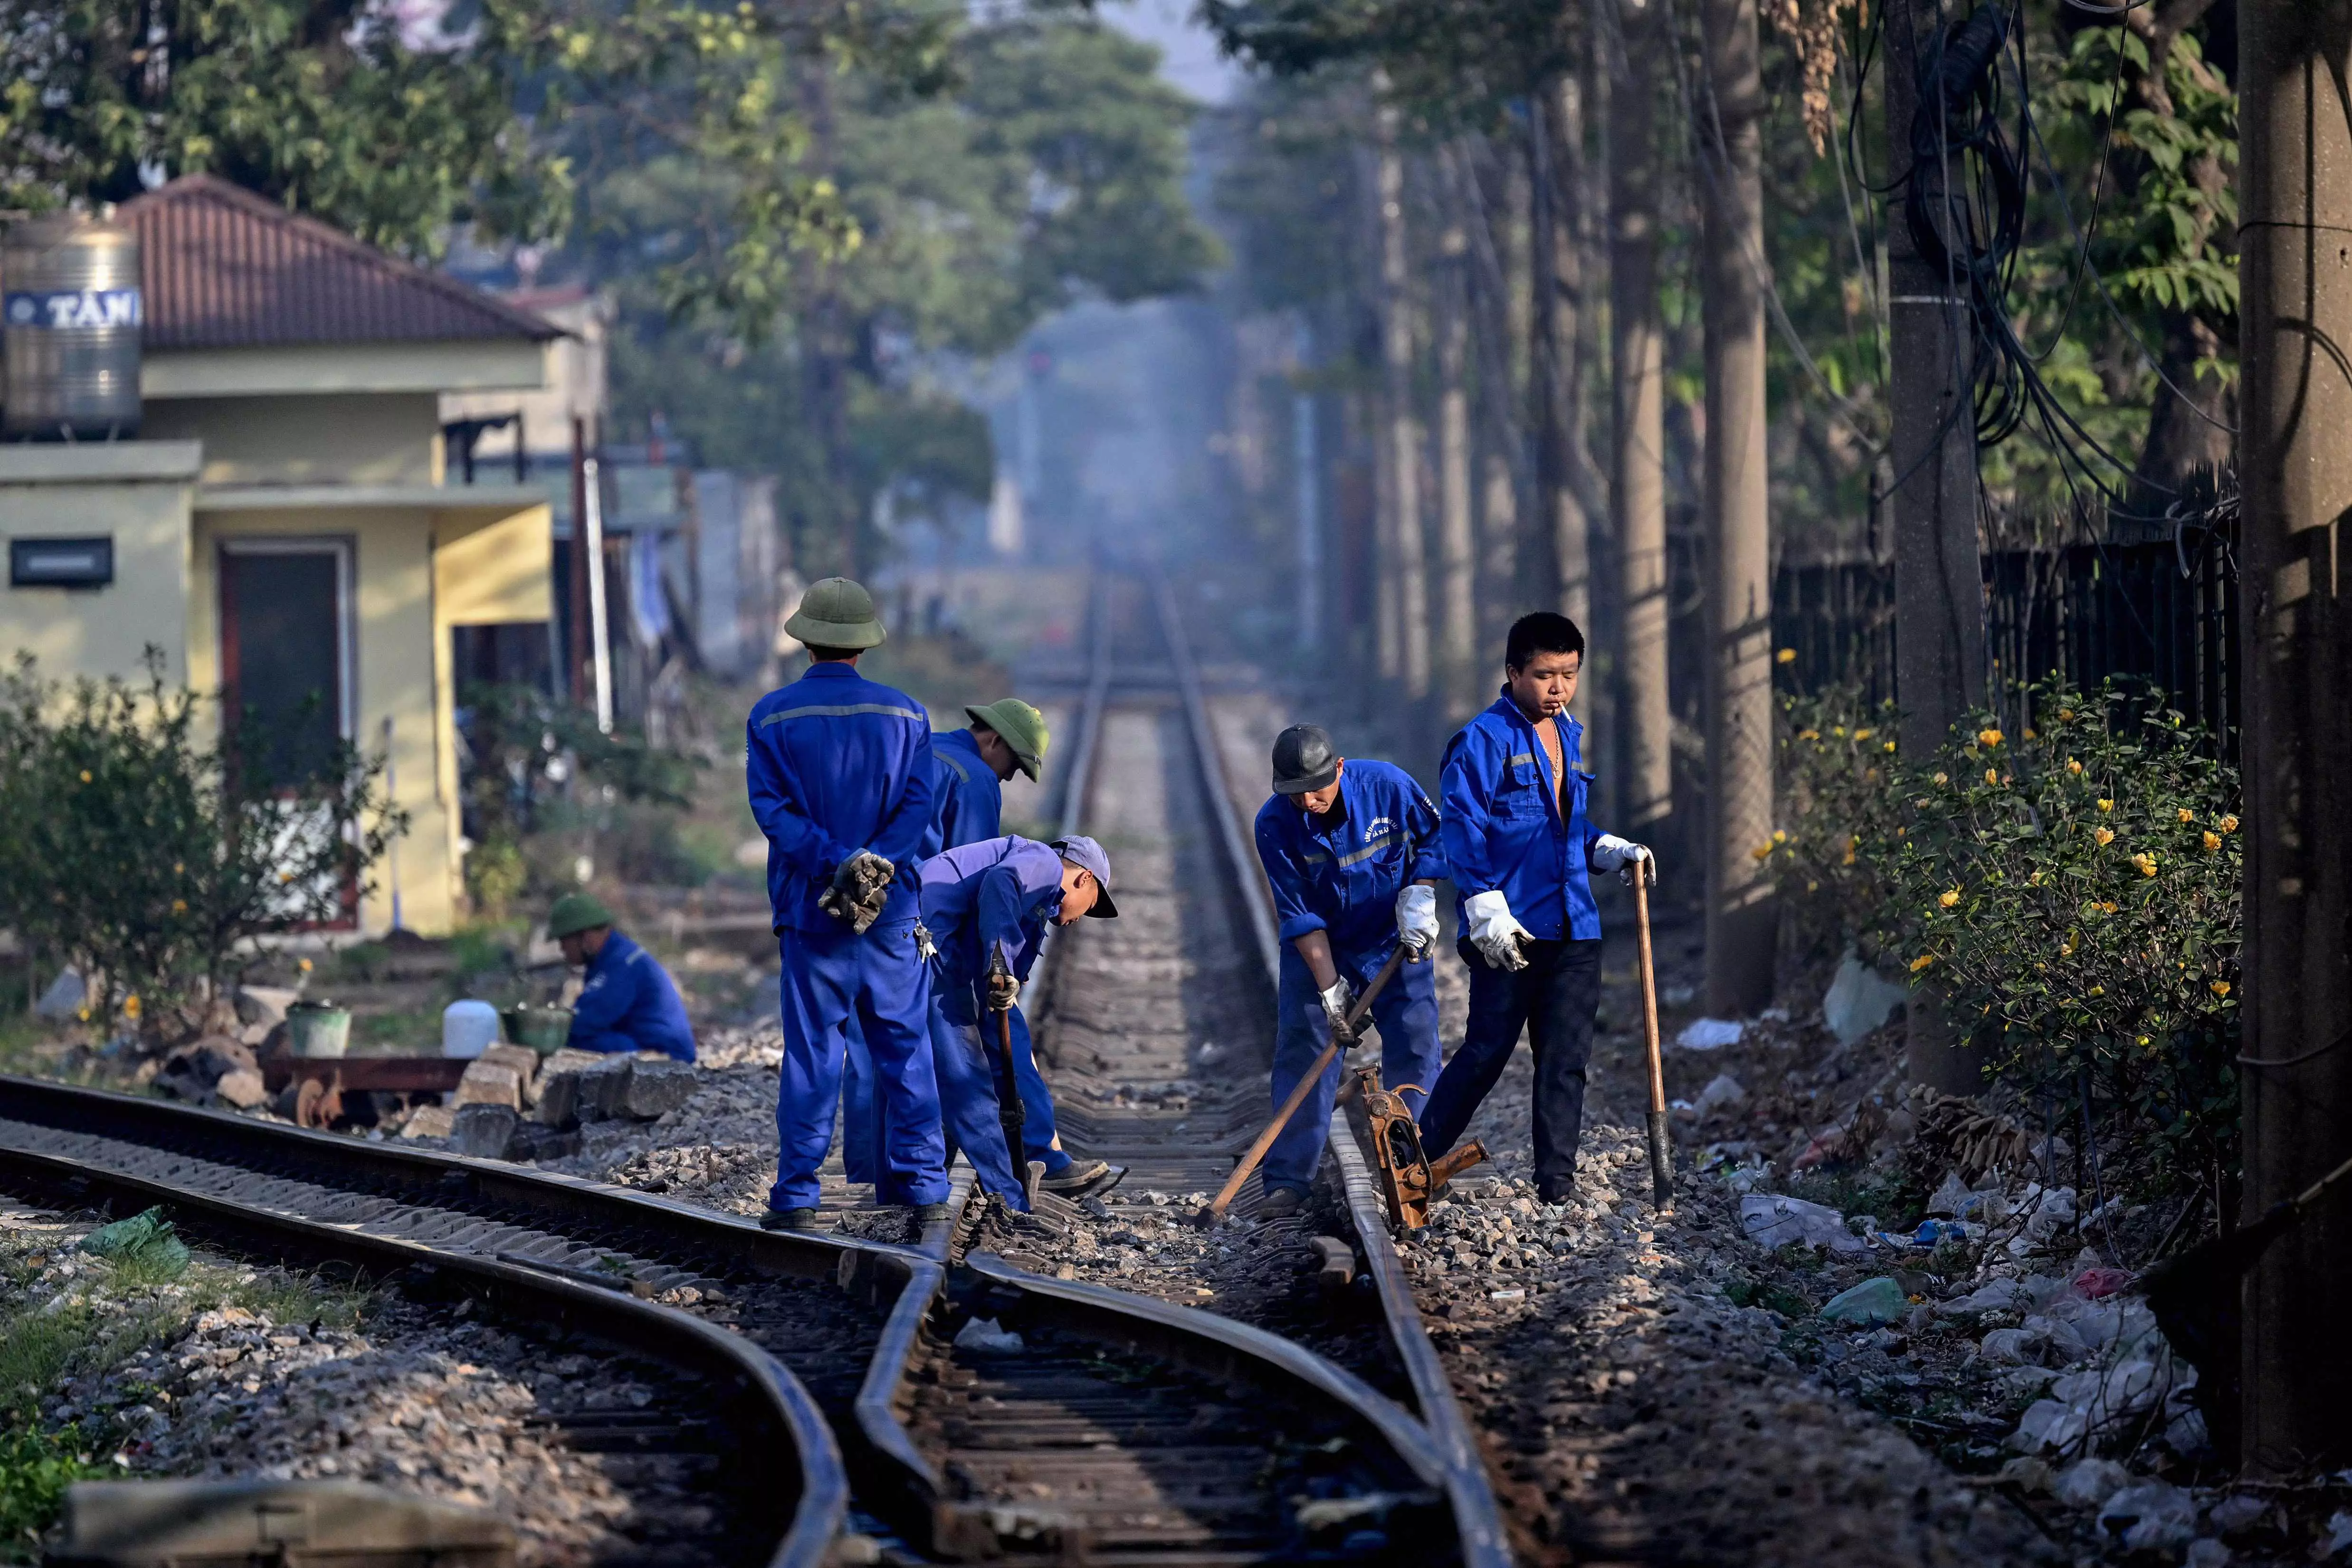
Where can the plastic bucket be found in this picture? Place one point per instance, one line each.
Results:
(468, 1028)
(318, 1028)
(544, 1030)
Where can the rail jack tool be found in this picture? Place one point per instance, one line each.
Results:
(1409, 1178)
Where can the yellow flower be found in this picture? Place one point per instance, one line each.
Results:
(2073, 766)
(131, 1006)
(1785, 656)
(1943, 778)
(1780, 835)
(1762, 851)
(2065, 713)
(2106, 804)
(1863, 734)
(1922, 961)
(2107, 908)
(2105, 835)
(1988, 737)
(1848, 857)
(2187, 815)
(2213, 843)
(2229, 824)
(1950, 898)
(1888, 746)
(85, 774)
(179, 906)
(303, 965)
(2143, 1039)
(2098, 991)
(1993, 776)
(1809, 734)
(2029, 734)
(1837, 730)
(2065, 949)
(2035, 879)
(177, 868)
(2145, 861)
(2219, 987)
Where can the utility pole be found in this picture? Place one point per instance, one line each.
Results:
(1307, 463)
(1638, 482)
(2295, 197)
(1742, 918)
(1938, 584)
(1411, 563)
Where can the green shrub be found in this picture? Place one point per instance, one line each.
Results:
(147, 853)
(35, 1467)
(1837, 759)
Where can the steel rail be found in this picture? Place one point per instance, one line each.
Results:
(769, 1406)
(1480, 1520)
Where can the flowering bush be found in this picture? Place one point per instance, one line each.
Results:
(2073, 893)
(1839, 810)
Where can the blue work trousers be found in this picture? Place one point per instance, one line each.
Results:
(1553, 1000)
(829, 979)
(1404, 1014)
(965, 1049)
(861, 1132)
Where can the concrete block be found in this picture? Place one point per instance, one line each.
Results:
(428, 1122)
(522, 1059)
(490, 1084)
(656, 1085)
(242, 1089)
(483, 1130)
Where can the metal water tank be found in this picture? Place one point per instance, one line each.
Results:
(70, 319)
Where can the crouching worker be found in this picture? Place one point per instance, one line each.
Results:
(985, 906)
(627, 1002)
(1350, 849)
(1521, 854)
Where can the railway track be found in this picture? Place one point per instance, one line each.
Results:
(962, 1407)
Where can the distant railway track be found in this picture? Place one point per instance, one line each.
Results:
(1122, 1428)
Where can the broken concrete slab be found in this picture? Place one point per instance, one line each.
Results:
(656, 1085)
(487, 1083)
(484, 1131)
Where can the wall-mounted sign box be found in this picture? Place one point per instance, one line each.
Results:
(87, 563)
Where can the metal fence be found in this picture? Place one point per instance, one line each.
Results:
(2163, 612)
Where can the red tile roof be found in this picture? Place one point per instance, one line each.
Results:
(222, 268)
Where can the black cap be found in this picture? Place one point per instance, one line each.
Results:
(1304, 760)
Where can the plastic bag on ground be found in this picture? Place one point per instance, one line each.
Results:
(145, 1239)
(2087, 1483)
(2153, 1516)
(1709, 1034)
(1775, 1219)
(1868, 1304)
(1859, 999)
(986, 1336)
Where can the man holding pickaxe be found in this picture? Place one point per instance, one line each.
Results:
(1350, 849)
(985, 907)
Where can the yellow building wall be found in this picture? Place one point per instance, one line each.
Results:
(344, 438)
(399, 677)
(102, 631)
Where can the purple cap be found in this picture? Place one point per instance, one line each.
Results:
(1088, 855)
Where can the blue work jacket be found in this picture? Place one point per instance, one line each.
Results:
(836, 764)
(998, 893)
(969, 798)
(1345, 881)
(629, 993)
(1503, 827)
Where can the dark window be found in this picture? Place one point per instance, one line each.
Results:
(282, 658)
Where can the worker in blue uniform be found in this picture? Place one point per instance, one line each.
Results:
(969, 770)
(627, 1001)
(986, 906)
(1350, 849)
(839, 771)
(1521, 854)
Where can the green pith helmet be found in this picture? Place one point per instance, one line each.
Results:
(836, 613)
(1022, 727)
(575, 912)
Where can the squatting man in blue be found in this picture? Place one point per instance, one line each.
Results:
(1350, 849)
(839, 772)
(1521, 852)
(627, 1002)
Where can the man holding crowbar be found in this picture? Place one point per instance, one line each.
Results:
(1350, 851)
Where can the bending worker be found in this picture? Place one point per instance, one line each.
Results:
(628, 1001)
(1521, 854)
(969, 770)
(1350, 849)
(839, 771)
(986, 905)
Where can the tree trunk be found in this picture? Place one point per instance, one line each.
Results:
(1741, 915)
(1457, 547)
(1938, 584)
(1493, 190)
(1645, 721)
(1411, 563)
(1388, 618)
(2295, 190)
(1562, 537)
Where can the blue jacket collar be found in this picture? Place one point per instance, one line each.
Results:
(962, 739)
(1508, 709)
(831, 670)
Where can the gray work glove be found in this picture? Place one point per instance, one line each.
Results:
(861, 885)
(1336, 1003)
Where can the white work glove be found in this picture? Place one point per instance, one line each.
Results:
(1336, 1003)
(1494, 933)
(1416, 909)
(1611, 852)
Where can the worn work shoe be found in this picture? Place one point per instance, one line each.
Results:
(1084, 1178)
(929, 1213)
(1281, 1202)
(800, 1219)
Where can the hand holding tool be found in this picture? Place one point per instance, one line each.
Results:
(1498, 937)
(1010, 1112)
(1661, 1158)
(1611, 852)
(1336, 1001)
(1299, 1092)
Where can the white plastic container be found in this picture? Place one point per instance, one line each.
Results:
(468, 1028)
